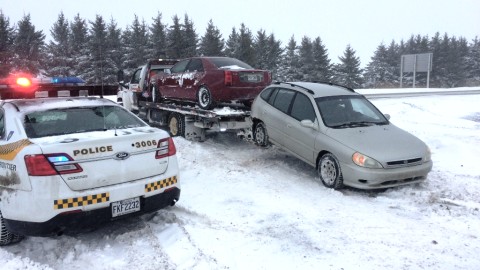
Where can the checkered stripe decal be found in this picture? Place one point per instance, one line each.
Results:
(81, 201)
(161, 184)
(9, 151)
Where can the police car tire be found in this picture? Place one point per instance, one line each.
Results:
(176, 124)
(7, 237)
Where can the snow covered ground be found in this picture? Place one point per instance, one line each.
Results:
(245, 207)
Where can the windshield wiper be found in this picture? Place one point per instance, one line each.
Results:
(354, 124)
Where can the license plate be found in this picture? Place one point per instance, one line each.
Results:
(252, 78)
(125, 207)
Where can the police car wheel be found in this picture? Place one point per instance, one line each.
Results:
(7, 237)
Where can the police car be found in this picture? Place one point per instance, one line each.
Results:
(69, 164)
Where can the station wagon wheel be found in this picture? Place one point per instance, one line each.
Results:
(204, 97)
(330, 172)
(176, 124)
(7, 237)
(260, 135)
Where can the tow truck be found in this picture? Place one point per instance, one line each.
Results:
(181, 119)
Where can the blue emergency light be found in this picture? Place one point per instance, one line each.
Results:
(64, 80)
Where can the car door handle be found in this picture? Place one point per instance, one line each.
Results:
(289, 126)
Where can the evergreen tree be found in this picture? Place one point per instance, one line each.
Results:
(306, 59)
(261, 50)
(190, 38)
(232, 45)
(377, 70)
(322, 69)
(289, 68)
(79, 40)
(473, 63)
(28, 46)
(274, 55)
(175, 41)
(158, 38)
(115, 52)
(246, 52)
(97, 46)
(59, 61)
(136, 44)
(6, 45)
(211, 44)
(348, 72)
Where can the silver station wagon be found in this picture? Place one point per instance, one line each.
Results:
(340, 133)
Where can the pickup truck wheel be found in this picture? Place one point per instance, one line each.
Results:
(330, 172)
(260, 135)
(7, 237)
(204, 97)
(176, 124)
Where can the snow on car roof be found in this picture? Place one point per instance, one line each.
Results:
(29, 105)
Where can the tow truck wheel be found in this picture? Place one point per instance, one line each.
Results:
(176, 124)
(205, 100)
(7, 237)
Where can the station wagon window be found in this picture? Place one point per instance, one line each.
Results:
(302, 108)
(271, 99)
(266, 93)
(283, 100)
(180, 66)
(195, 65)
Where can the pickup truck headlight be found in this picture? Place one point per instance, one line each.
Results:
(365, 161)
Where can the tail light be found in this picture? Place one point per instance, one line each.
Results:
(228, 78)
(52, 164)
(166, 148)
(268, 78)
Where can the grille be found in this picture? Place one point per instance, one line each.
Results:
(405, 162)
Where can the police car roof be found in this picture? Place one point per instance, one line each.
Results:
(29, 105)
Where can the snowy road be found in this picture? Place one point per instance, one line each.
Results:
(244, 207)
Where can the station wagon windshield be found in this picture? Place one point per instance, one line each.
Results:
(348, 112)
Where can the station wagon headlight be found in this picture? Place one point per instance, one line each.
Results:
(365, 161)
(428, 155)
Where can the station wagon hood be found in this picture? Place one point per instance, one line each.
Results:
(108, 157)
(384, 143)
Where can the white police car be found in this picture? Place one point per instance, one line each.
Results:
(72, 163)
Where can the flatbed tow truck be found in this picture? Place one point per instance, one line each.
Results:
(181, 119)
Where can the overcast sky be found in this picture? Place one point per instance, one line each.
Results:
(363, 24)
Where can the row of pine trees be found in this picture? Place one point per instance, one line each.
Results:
(97, 50)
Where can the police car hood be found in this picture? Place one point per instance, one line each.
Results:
(108, 157)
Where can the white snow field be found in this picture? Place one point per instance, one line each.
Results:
(246, 207)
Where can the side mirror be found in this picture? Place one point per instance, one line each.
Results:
(387, 116)
(308, 124)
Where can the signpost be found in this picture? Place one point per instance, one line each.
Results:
(416, 63)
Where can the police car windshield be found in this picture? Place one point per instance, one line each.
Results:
(77, 120)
